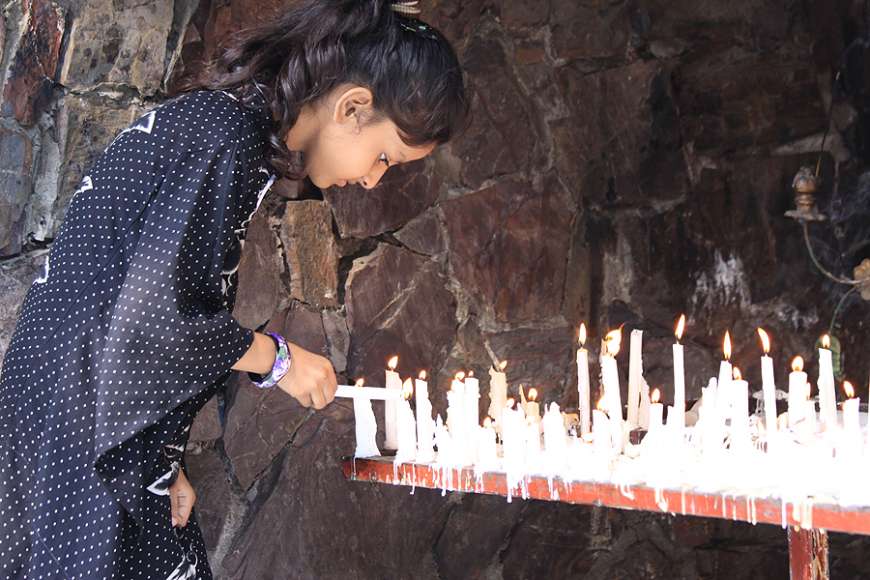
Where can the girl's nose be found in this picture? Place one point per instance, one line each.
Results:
(373, 178)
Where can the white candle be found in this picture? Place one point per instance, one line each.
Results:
(391, 405)
(709, 417)
(583, 383)
(827, 397)
(533, 408)
(679, 379)
(601, 432)
(768, 387)
(487, 451)
(365, 427)
(635, 377)
(798, 392)
(555, 440)
(851, 422)
(407, 427)
(456, 409)
(425, 424)
(643, 413)
(446, 454)
(514, 444)
(533, 445)
(472, 415)
(610, 380)
(723, 383)
(739, 411)
(497, 393)
(656, 411)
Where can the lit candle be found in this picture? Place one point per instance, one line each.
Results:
(365, 426)
(407, 427)
(656, 411)
(739, 411)
(425, 424)
(391, 406)
(723, 383)
(533, 408)
(851, 423)
(827, 398)
(583, 382)
(798, 392)
(610, 380)
(497, 393)
(635, 377)
(768, 386)
(679, 379)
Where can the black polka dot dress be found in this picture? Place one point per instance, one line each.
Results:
(123, 338)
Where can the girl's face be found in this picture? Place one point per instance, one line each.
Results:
(340, 147)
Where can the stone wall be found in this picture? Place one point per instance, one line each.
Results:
(628, 160)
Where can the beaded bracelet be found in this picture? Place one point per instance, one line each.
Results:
(279, 368)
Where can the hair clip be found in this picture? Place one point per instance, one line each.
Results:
(406, 8)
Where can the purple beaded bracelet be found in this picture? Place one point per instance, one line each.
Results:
(279, 368)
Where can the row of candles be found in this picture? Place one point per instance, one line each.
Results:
(721, 419)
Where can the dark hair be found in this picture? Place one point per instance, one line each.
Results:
(411, 69)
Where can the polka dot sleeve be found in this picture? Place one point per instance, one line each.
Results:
(170, 335)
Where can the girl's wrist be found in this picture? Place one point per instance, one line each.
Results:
(280, 366)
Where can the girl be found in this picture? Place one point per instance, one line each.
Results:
(128, 331)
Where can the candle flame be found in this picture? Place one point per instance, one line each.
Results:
(470, 373)
(360, 382)
(459, 376)
(612, 342)
(502, 366)
(826, 341)
(510, 403)
(407, 389)
(582, 337)
(422, 375)
(655, 396)
(726, 345)
(738, 376)
(765, 340)
(797, 364)
(849, 389)
(600, 404)
(681, 326)
(487, 422)
(533, 394)
(393, 363)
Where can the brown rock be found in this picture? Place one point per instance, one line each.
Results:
(259, 276)
(260, 422)
(403, 193)
(590, 30)
(397, 304)
(501, 138)
(16, 168)
(118, 41)
(33, 67)
(311, 252)
(621, 145)
(206, 425)
(423, 234)
(508, 247)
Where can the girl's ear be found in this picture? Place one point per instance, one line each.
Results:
(352, 104)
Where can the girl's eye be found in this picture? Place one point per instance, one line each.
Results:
(384, 160)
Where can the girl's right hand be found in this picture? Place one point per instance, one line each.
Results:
(311, 378)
